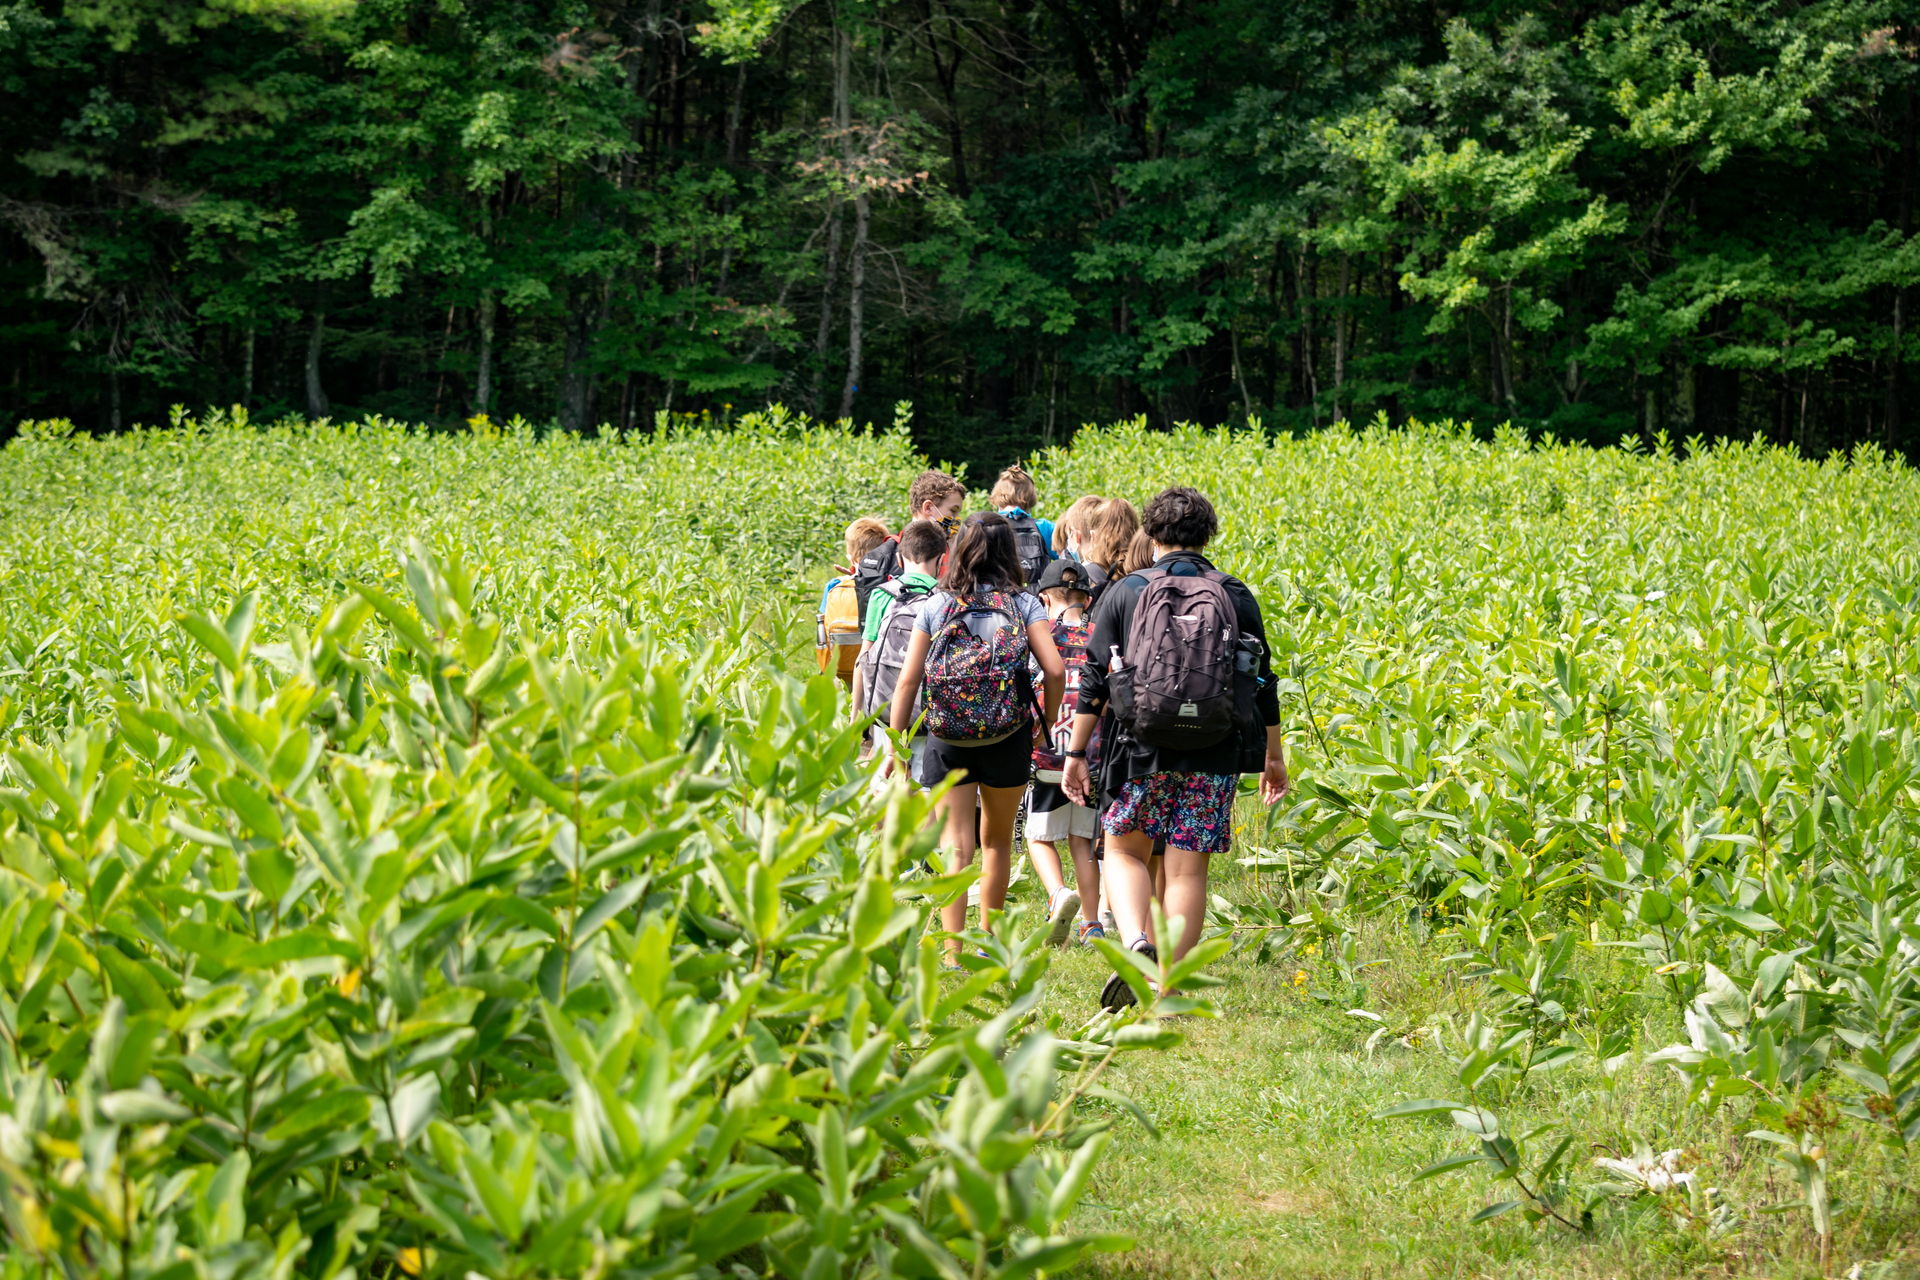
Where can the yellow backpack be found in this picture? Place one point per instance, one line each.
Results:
(837, 629)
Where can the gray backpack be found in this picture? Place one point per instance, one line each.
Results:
(1034, 555)
(881, 663)
(1181, 652)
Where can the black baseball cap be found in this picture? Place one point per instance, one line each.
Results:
(1064, 574)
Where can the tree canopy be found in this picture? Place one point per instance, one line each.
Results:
(1589, 219)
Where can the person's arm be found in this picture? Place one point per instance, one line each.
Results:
(1076, 780)
(1266, 700)
(1053, 671)
(1105, 636)
(1274, 780)
(912, 671)
(1109, 626)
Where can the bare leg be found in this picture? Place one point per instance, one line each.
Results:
(956, 810)
(1045, 855)
(1129, 884)
(1186, 895)
(999, 808)
(1086, 875)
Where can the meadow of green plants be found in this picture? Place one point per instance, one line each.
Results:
(426, 855)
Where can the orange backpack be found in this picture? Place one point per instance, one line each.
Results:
(836, 636)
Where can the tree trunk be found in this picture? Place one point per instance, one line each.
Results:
(830, 279)
(733, 144)
(842, 122)
(1501, 348)
(576, 380)
(113, 399)
(856, 301)
(1895, 434)
(318, 406)
(483, 376)
(246, 369)
(1310, 294)
(1340, 323)
(1246, 400)
(947, 73)
(1053, 397)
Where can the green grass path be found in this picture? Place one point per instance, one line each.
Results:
(1270, 1163)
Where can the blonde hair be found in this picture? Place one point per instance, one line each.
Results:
(1014, 488)
(1077, 518)
(1109, 534)
(863, 535)
(1139, 553)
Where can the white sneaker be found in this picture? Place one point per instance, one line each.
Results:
(1109, 925)
(1063, 905)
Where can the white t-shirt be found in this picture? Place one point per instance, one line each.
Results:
(928, 612)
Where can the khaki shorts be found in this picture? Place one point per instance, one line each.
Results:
(1052, 817)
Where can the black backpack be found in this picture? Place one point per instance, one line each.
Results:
(882, 564)
(1034, 554)
(1185, 685)
(881, 663)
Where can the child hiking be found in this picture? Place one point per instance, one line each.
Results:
(1179, 653)
(970, 648)
(1051, 816)
(935, 496)
(837, 623)
(888, 631)
(1014, 496)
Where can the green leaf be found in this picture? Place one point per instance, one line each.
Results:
(1419, 1107)
(402, 620)
(1655, 908)
(608, 905)
(337, 1108)
(1449, 1165)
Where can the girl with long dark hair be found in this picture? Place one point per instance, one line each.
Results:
(984, 589)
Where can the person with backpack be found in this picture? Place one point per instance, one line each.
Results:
(1065, 588)
(1071, 529)
(1103, 549)
(888, 630)
(935, 496)
(1179, 652)
(970, 648)
(837, 623)
(1014, 496)
(1109, 532)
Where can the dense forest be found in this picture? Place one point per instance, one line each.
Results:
(1592, 219)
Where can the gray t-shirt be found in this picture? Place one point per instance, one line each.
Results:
(927, 614)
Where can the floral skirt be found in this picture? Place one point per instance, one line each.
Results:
(1187, 810)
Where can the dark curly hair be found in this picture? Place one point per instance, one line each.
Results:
(984, 557)
(1180, 517)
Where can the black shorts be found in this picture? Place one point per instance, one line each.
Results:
(1006, 763)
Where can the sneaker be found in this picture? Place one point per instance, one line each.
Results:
(1109, 924)
(1117, 995)
(1062, 905)
(1089, 930)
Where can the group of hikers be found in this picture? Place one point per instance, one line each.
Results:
(1097, 670)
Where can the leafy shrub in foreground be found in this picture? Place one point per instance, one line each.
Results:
(507, 955)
